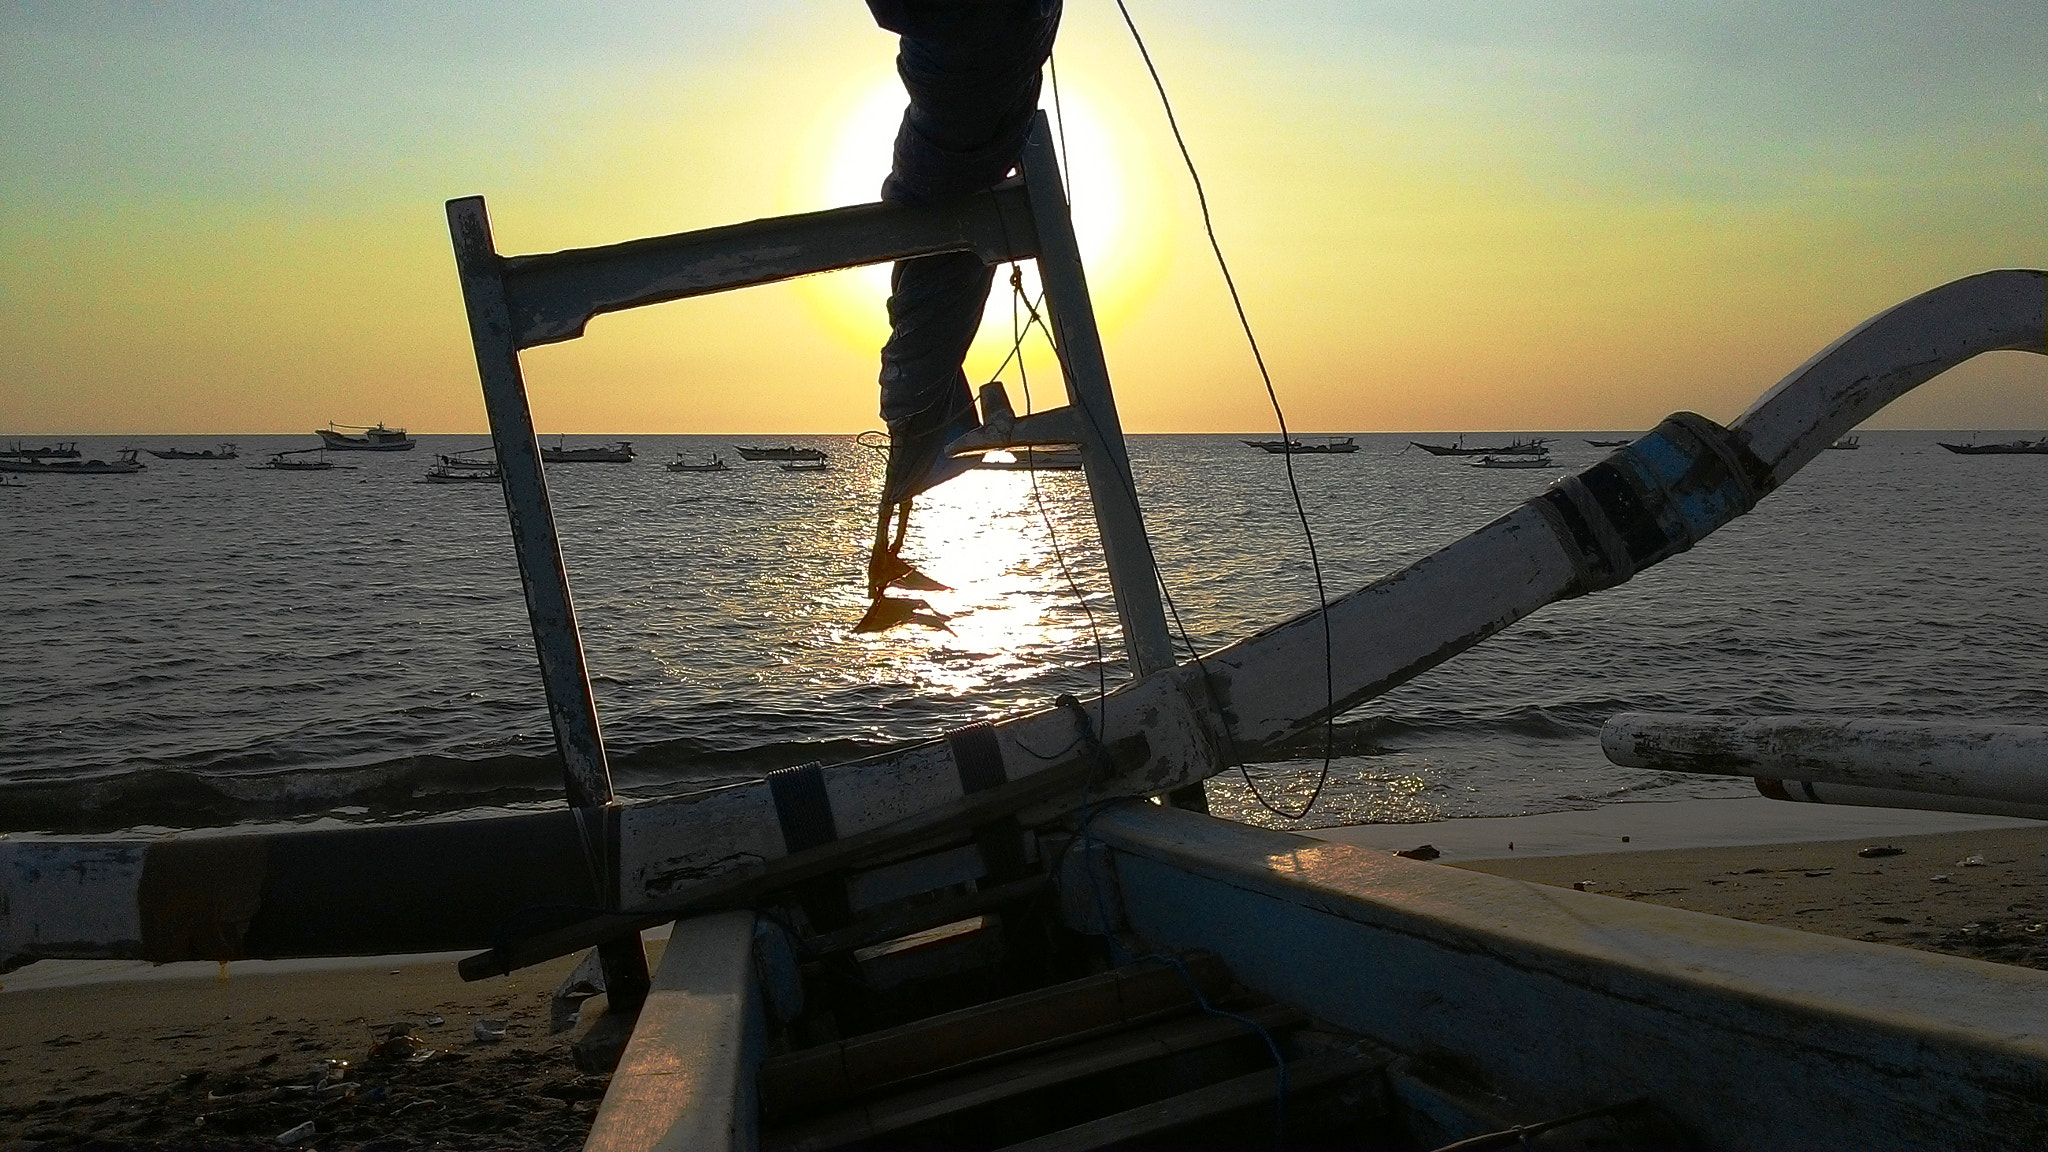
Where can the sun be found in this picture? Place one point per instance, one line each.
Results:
(1121, 242)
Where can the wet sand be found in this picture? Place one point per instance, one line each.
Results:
(1929, 896)
(194, 1061)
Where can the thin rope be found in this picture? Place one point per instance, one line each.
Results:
(1018, 332)
(1293, 487)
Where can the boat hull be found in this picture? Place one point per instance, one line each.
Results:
(336, 441)
(71, 467)
(2015, 448)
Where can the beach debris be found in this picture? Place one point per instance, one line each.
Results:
(1582, 886)
(298, 1134)
(1421, 852)
(398, 1045)
(1970, 862)
(1941, 879)
(586, 981)
(490, 1031)
(1877, 850)
(435, 1021)
(2037, 929)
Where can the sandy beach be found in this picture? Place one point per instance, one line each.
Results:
(177, 1057)
(185, 1059)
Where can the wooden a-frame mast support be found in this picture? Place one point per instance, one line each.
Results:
(518, 302)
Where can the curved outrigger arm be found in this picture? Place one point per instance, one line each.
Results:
(286, 894)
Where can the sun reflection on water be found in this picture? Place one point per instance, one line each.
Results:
(986, 536)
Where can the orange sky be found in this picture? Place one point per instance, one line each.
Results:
(1580, 216)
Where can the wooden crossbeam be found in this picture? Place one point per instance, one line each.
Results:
(1010, 1080)
(831, 1074)
(1206, 1103)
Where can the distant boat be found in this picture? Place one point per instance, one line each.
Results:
(283, 462)
(65, 450)
(1270, 445)
(6, 483)
(679, 464)
(1537, 447)
(818, 467)
(460, 461)
(377, 438)
(462, 472)
(224, 452)
(1035, 460)
(783, 452)
(1845, 443)
(617, 452)
(1513, 462)
(1610, 443)
(121, 465)
(1332, 446)
(2009, 448)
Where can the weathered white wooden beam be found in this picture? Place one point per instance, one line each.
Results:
(2005, 763)
(1887, 356)
(552, 296)
(686, 1082)
(1754, 1037)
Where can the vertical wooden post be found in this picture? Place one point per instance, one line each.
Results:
(564, 676)
(1148, 645)
(1112, 489)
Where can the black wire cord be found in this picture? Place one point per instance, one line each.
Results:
(1293, 487)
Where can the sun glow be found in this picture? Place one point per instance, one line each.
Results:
(1120, 235)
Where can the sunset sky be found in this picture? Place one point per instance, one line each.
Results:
(226, 217)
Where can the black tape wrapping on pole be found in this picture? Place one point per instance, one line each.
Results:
(805, 814)
(978, 757)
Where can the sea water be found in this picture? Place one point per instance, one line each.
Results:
(205, 643)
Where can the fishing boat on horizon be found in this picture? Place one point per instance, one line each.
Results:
(287, 461)
(461, 474)
(780, 452)
(63, 450)
(122, 464)
(617, 452)
(374, 438)
(1334, 446)
(224, 452)
(2008, 448)
(682, 464)
(1512, 462)
(1534, 447)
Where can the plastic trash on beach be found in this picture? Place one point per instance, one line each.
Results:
(491, 1031)
(297, 1135)
(1970, 862)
